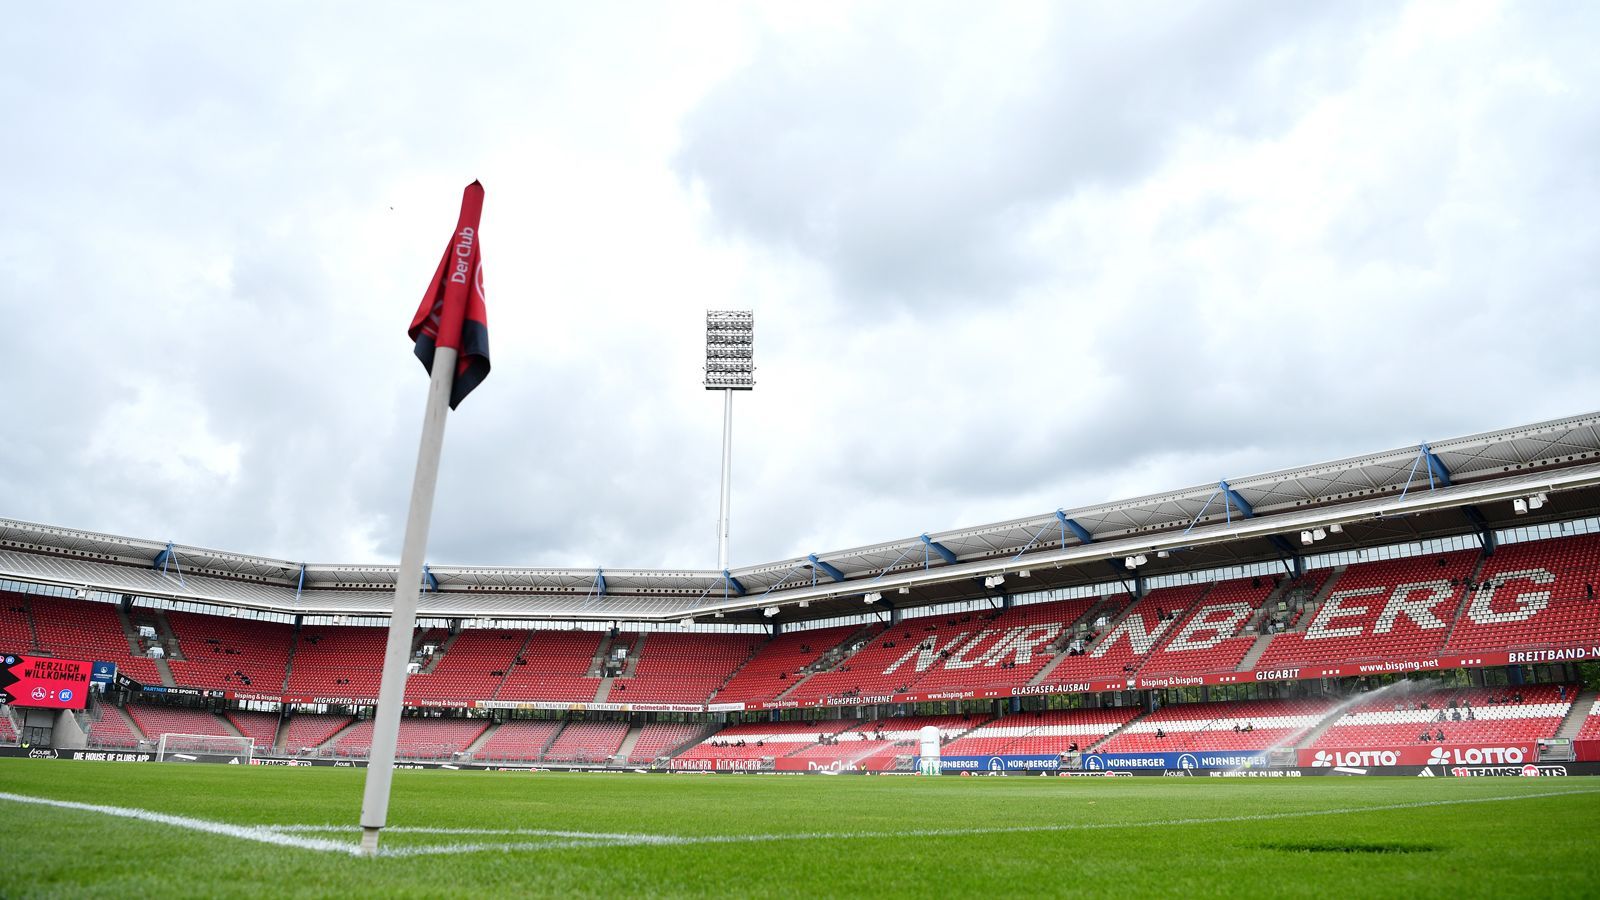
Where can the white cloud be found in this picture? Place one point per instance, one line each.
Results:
(1001, 262)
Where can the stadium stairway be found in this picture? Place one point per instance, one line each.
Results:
(1114, 732)
(471, 750)
(1466, 599)
(1187, 611)
(754, 652)
(551, 742)
(1048, 668)
(704, 734)
(288, 661)
(1179, 617)
(634, 652)
(421, 637)
(1258, 619)
(603, 692)
(136, 647)
(109, 709)
(1573, 723)
(522, 653)
(1104, 606)
(1317, 730)
(165, 671)
(597, 663)
(1320, 597)
(439, 653)
(169, 646)
(625, 752)
(796, 683)
(1115, 609)
(977, 721)
(1264, 641)
(1253, 655)
(332, 740)
(230, 726)
(169, 638)
(1130, 604)
(842, 651)
(801, 748)
(129, 633)
(27, 613)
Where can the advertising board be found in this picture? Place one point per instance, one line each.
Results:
(1421, 755)
(44, 682)
(1002, 763)
(1189, 759)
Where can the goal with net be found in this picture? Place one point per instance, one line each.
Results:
(207, 748)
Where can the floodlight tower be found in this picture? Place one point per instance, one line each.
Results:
(730, 366)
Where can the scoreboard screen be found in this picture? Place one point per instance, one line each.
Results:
(44, 681)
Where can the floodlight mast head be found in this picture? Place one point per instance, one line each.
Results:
(730, 366)
(730, 350)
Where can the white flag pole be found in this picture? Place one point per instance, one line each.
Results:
(396, 656)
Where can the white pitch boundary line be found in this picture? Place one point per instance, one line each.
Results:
(667, 840)
(245, 832)
(269, 834)
(520, 832)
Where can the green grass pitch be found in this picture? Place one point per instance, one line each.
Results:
(615, 835)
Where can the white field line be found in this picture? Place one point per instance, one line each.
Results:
(949, 832)
(245, 832)
(279, 835)
(408, 829)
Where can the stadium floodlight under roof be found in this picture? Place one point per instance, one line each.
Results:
(730, 366)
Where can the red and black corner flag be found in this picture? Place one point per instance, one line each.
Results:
(452, 313)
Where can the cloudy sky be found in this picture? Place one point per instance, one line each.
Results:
(1001, 262)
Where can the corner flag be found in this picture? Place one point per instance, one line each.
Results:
(451, 332)
(452, 313)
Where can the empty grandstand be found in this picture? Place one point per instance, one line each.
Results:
(1471, 716)
(1246, 617)
(1236, 725)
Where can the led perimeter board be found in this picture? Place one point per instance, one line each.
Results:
(44, 681)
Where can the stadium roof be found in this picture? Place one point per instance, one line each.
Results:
(1436, 489)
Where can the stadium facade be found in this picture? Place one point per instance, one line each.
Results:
(1475, 556)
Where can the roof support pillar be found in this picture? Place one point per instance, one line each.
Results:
(168, 557)
(1485, 533)
(1436, 468)
(943, 551)
(1290, 556)
(818, 565)
(1232, 501)
(1071, 525)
